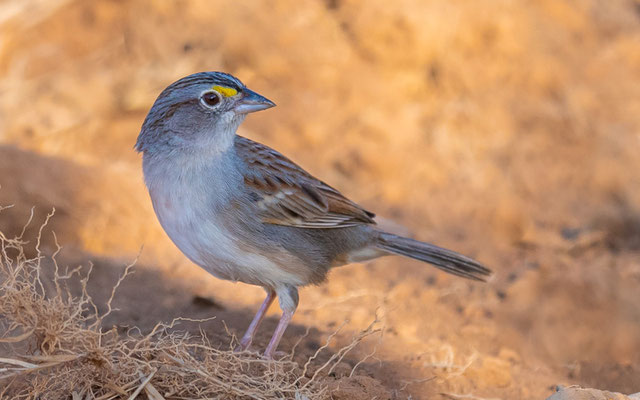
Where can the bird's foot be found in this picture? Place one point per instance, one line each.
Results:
(276, 356)
(242, 347)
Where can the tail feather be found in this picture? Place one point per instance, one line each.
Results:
(446, 260)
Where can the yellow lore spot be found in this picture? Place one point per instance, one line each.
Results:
(225, 91)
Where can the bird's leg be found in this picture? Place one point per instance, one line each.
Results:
(246, 340)
(277, 335)
(288, 298)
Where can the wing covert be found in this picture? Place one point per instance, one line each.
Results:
(288, 195)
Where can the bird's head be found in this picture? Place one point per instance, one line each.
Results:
(202, 110)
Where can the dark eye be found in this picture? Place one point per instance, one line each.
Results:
(211, 99)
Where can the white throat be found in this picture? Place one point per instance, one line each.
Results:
(222, 138)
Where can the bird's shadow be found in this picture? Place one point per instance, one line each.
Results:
(148, 297)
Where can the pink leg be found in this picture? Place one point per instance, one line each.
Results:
(246, 340)
(277, 335)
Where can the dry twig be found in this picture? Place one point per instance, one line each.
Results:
(57, 347)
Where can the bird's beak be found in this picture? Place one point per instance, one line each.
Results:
(252, 102)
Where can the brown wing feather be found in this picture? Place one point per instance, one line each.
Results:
(288, 195)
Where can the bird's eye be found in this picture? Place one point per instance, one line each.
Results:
(210, 99)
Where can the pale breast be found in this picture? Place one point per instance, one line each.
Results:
(195, 219)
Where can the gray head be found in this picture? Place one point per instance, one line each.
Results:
(200, 111)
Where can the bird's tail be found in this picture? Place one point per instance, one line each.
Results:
(447, 260)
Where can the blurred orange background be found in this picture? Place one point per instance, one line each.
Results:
(507, 130)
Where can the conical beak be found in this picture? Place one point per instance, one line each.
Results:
(252, 102)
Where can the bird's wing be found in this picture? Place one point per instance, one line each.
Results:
(288, 195)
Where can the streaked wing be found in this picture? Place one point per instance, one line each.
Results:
(288, 195)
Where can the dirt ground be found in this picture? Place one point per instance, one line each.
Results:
(508, 131)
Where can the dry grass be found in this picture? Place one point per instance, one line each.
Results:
(505, 130)
(55, 346)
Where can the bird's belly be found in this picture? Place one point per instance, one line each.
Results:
(204, 238)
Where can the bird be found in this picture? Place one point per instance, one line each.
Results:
(246, 213)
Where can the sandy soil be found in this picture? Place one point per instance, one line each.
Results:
(508, 131)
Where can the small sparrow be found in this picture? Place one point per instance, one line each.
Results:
(244, 212)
